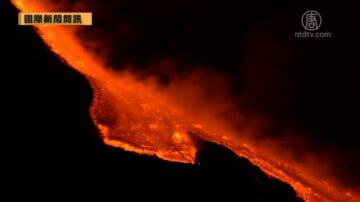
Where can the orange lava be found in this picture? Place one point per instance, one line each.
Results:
(129, 116)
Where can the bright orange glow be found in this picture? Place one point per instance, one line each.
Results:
(130, 116)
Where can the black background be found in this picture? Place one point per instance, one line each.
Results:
(54, 152)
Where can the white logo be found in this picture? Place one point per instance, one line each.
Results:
(311, 20)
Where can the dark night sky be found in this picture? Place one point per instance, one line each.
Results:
(55, 153)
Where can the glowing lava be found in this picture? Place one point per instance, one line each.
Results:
(129, 115)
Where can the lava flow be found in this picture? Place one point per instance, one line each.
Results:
(129, 115)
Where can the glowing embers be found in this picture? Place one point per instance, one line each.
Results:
(137, 124)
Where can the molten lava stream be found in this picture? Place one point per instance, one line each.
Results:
(129, 117)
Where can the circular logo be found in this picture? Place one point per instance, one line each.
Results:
(311, 20)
